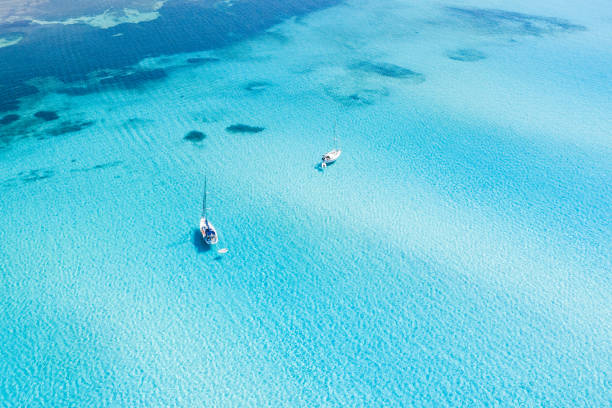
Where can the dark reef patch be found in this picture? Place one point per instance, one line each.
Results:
(70, 127)
(107, 165)
(466, 54)
(361, 97)
(202, 60)
(134, 80)
(77, 91)
(256, 86)
(35, 175)
(387, 70)
(27, 177)
(11, 93)
(194, 136)
(47, 116)
(73, 52)
(501, 21)
(98, 167)
(358, 98)
(8, 119)
(240, 128)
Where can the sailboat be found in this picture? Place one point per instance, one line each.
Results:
(333, 154)
(209, 233)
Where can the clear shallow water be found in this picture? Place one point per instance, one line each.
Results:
(457, 254)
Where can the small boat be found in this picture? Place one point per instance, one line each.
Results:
(209, 233)
(332, 155)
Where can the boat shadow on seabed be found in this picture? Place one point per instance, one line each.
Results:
(198, 241)
(320, 168)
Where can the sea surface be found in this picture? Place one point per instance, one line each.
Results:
(458, 254)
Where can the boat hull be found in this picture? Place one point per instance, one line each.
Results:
(331, 156)
(208, 231)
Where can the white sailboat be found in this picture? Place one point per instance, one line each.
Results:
(333, 154)
(209, 233)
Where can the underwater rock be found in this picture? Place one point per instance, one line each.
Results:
(194, 136)
(107, 165)
(134, 80)
(466, 54)
(240, 128)
(357, 97)
(255, 86)
(47, 116)
(8, 119)
(70, 127)
(36, 175)
(502, 21)
(9, 101)
(98, 167)
(387, 70)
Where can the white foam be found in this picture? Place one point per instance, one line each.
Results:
(108, 19)
(9, 40)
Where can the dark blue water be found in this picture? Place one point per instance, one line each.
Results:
(71, 52)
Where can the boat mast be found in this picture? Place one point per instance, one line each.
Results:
(335, 135)
(204, 200)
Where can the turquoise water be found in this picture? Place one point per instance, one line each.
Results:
(458, 253)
